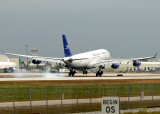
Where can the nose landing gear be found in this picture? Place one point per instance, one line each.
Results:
(100, 72)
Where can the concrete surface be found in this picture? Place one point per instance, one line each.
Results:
(63, 76)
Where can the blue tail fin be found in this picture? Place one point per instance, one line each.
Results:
(67, 52)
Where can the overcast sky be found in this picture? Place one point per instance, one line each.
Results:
(126, 28)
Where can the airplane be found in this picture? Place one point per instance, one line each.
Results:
(7, 67)
(84, 61)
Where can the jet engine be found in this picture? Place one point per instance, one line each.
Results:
(136, 63)
(36, 62)
(115, 65)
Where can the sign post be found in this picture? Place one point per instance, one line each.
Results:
(142, 94)
(110, 105)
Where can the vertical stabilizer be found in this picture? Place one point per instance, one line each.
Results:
(67, 51)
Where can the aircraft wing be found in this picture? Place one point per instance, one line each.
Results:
(144, 58)
(136, 59)
(40, 58)
(120, 61)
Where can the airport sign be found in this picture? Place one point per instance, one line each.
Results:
(110, 105)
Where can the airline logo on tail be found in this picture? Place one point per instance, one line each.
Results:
(67, 47)
(67, 51)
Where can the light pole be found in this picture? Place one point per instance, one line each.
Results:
(27, 57)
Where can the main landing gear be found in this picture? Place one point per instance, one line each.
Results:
(85, 72)
(99, 73)
(71, 73)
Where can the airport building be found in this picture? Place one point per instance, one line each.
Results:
(15, 60)
(4, 58)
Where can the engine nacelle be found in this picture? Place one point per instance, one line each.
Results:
(36, 62)
(115, 66)
(136, 63)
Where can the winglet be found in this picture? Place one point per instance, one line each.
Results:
(155, 55)
(3, 52)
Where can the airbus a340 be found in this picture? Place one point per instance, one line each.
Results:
(84, 61)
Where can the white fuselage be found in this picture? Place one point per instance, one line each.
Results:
(7, 65)
(86, 60)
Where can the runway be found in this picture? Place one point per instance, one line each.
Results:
(78, 76)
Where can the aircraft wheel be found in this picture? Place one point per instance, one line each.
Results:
(5, 70)
(85, 72)
(69, 74)
(101, 73)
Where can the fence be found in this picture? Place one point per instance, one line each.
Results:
(76, 98)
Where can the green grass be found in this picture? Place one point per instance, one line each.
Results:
(73, 92)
